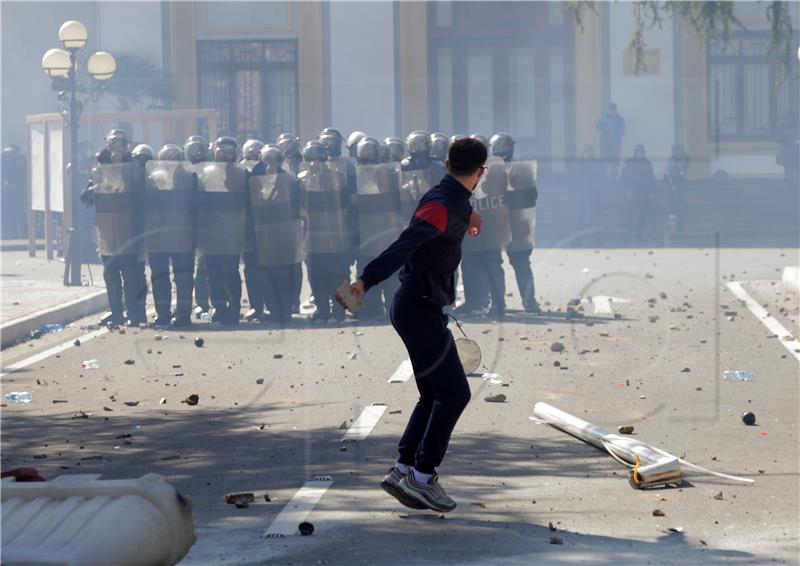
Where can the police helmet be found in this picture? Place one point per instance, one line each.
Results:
(196, 148)
(502, 145)
(226, 148)
(272, 156)
(289, 144)
(170, 152)
(117, 139)
(419, 142)
(251, 149)
(333, 145)
(439, 146)
(143, 153)
(368, 149)
(314, 151)
(396, 148)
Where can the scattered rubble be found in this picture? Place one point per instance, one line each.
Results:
(499, 398)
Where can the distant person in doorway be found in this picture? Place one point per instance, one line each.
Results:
(639, 183)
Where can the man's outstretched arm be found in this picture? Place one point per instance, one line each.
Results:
(429, 221)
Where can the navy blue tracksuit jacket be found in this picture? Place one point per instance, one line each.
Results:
(429, 250)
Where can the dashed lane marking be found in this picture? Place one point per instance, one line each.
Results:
(786, 338)
(298, 508)
(364, 424)
(403, 372)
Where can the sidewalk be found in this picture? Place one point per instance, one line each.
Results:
(33, 295)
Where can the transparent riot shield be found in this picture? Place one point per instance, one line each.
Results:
(169, 207)
(490, 201)
(522, 196)
(221, 199)
(117, 189)
(380, 213)
(413, 184)
(323, 187)
(276, 219)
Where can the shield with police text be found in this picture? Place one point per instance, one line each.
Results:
(117, 191)
(169, 207)
(489, 199)
(276, 219)
(323, 186)
(221, 200)
(380, 214)
(522, 195)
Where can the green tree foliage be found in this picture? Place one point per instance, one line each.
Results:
(139, 80)
(713, 20)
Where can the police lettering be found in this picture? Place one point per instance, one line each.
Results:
(488, 203)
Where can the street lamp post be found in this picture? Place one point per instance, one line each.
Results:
(62, 65)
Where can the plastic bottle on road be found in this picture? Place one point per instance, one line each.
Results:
(90, 364)
(50, 328)
(205, 316)
(737, 375)
(19, 397)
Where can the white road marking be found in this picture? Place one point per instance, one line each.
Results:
(51, 352)
(300, 506)
(403, 372)
(786, 338)
(364, 424)
(602, 303)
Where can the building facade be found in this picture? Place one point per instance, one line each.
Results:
(458, 67)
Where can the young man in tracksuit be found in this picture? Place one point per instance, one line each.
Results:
(429, 252)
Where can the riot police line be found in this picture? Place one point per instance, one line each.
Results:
(194, 213)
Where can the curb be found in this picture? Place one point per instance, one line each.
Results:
(791, 277)
(15, 330)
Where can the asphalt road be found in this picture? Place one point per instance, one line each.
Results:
(657, 365)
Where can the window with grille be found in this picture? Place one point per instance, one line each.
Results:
(253, 84)
(749, 94)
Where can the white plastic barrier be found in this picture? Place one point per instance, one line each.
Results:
(78, 519)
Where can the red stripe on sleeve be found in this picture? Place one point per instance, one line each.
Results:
(434, 213)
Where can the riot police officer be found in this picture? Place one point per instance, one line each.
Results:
(275, 202)
(195, 150)
(326, 199)
(169, 233)
(222, 192)
(115, 189)
(332, 140)
(522, 196)
(482, 262)
(380, 219)
(253, 274)
(289, 145)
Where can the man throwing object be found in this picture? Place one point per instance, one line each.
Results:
(429, 251)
